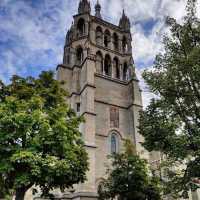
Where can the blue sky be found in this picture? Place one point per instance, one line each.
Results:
(32, 32)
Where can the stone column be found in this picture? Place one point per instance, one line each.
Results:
(86, 28)
(135, 109)
(88, 128)
(73, 56)
(121, 71)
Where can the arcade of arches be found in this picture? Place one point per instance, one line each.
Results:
(113, 68)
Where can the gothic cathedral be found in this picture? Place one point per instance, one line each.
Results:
(98, 69)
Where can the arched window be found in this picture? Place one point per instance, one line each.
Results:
(116, 68)
(114, 143)
(107, 65)
(125, 72)
(81, 27)
(107, 38)
(99, 62)
(124, 45)
(99, 35)
(116, 41)
(79, 55)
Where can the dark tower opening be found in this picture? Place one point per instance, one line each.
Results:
(99, 36)
(79, 55)
(81, 27)
(116, 41)
(124, 45)
(107, 65)
(125, 72)
(107, 38)
(116, 68)
(99, 62)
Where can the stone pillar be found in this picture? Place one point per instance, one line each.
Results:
(135, 109)
(120, 46)
(121, 71)
(86, 28)
(93, 35)
(73, 56)
(129, 47)
(88, 128)
(195, 195)
(112, 44)
(113, 67)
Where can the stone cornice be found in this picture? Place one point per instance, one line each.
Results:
(115, 105)
(105, 23)
(74, 66)
(116, 80)
(63, 66)
(112, 51)
(82, 90)
(88, 113)
(81, 194)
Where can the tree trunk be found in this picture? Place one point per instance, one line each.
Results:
(20, 194)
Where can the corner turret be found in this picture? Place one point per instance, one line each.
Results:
(98, 10)
(124, 22)
(84, 7)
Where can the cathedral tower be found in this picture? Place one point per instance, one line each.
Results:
(99, 73)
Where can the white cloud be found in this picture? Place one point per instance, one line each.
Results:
(38, 30)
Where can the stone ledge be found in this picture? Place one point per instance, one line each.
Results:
(79, 195)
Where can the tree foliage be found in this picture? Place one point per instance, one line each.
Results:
(171, 123)
(40, 143)
(128, 179)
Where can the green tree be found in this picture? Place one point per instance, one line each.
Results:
(40, 143)
(171, 123)
(128, 178)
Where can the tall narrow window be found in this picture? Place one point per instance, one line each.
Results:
(116, 68)
(99, 36)
(78, 107)
(116, 41)
(114, 143)
(81, 27)
(107, 65)
(99, 62)
(107, 38)
(79, 55)
(125, 72)
(124, 45)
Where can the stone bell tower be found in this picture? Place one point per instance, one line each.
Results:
(98, 70)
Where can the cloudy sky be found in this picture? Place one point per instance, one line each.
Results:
(32, 32)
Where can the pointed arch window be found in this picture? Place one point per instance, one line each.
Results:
(107, 65)
(99, 62)
(81, 27)
(125, 72)
(107, 38)
(79, 55)
(116, 41)
(124, 45)
(99, 36)
(116, 68)
(114, 143)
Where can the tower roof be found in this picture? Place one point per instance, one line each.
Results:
(124, 22)
(98, 9)
(84, 7)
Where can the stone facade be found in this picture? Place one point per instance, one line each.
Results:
(98, 70)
